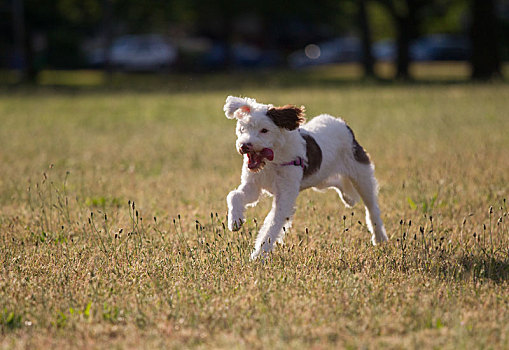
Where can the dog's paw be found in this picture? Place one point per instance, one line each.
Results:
(262, 251)
(254, 255)
(378, 238)
(234, 224)
(257, 254)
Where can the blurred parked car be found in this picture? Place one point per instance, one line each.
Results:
(437, 47)
(440, 47)
(345, 49)
(243, 55)
(142, 52)
(132, 52)
(384, 50)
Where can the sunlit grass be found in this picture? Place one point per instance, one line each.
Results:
(82, 78)
(349, 73)
(112, 212)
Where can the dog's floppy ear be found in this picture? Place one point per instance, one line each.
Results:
(288, 117)
(232, 104)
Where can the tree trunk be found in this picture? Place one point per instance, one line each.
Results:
(107, 38)
(21, 43)
(368, 61)
(407, 27)
(403, 47)
(227, 35)
(485, 61)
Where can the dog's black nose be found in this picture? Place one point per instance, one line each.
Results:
(245, 148)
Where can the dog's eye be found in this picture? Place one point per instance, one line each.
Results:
(264, 131)
(242, 129)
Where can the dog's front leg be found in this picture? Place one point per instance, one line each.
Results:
(237, 200)
(283, 207)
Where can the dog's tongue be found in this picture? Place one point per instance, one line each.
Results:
(255, 159)
(267, 153)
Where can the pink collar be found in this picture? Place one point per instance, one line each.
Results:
(296, 162)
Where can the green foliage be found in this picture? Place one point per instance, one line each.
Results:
(102, 202)
(61, 320)
(10, 320)
(382, 26)
(427, 205)
(447, 16)
(111, 313)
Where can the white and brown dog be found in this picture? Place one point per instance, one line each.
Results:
(284, 156)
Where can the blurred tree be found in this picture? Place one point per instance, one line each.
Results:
(143, 16)
(216, 18)
(283, 25)
(414, 17)
(485, 60)
(368, 61)
(406, 20)
(445, 16)
(57, 28)
(381, 21)
(52, 31)
(18, 29)
(107, 34)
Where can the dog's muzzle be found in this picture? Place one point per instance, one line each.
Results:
(256, 160)
(246, 148)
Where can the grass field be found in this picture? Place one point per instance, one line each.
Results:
(112, 212)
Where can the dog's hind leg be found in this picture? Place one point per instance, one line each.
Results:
(365, 183)
(345, 189)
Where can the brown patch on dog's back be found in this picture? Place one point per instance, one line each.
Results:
(359, 153)
(288, 117)
(313, 154)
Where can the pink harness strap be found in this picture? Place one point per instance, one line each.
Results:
(296, 162)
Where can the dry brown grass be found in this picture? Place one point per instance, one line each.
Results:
(129, 249)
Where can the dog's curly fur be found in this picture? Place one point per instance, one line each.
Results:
(283, 156)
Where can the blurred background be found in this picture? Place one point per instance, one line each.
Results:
(202, 36)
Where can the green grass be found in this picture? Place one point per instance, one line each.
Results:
(112, 212)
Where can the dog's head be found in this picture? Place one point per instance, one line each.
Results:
(261, 128)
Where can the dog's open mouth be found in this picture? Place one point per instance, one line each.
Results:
(256, 160)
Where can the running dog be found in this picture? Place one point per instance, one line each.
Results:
(283, 155)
